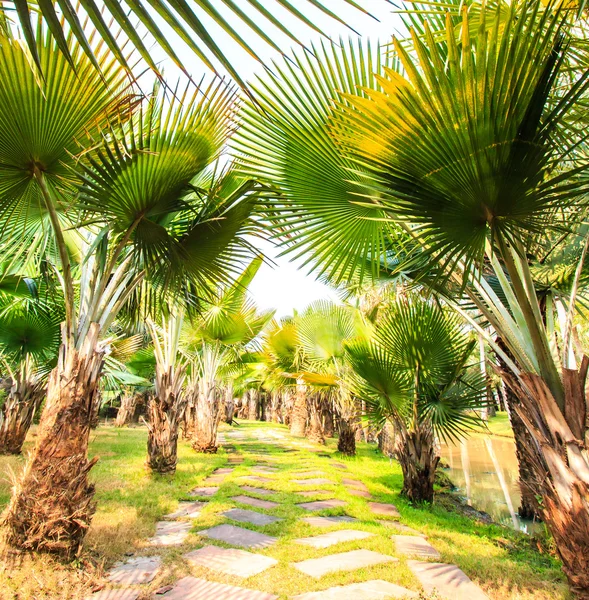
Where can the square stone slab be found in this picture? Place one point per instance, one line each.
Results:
(317, 481)
(328, 521)
(311, 493)
(250, 516)
(205, 492)
(322, 504)
(170, 533)
(360, 493)
(188, 510)
(369, 590)
(257, 490)
(402, 528)
(447, 580)
(354, 483)
(310, 474)
(114, 595)
(224, 471)
(238, 536)
(266, 468)
(213, 479)
(141, 569)
(334, 537)
(338, 465)
(192, 588)
(344, 561)
(387, 510)
(418, 547)
(267, 504)
(258, 478)
(230, 561)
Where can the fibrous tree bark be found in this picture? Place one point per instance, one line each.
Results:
(253, 404)
(346, 443)
(559, 461)
(299, 414)
(415, 450)
(275, 407)
(127, 409)
(315, 430)
(328, 418)
(16, 414)
(209, 411)
(229, 404)
(52, 505)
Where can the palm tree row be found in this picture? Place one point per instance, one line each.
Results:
(462, 166)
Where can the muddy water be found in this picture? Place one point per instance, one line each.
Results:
(485, 470)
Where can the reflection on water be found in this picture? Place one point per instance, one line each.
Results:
(485, 470)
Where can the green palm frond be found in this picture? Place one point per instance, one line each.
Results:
(418, 351)
(43, 123)
(189, 20)
(463, 148)
(319, 212)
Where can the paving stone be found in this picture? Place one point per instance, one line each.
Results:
(310, 474)
(402, 528)
(334, 537)
(214, 479)
(192, 588)
(265, 469)
(310, 493)
(360, 493)
(189, 510)
(258, 478)
(354, 483)
(235, 460)
(170, 533)
(224, 471)
(257, 490)
(250, 516)
(318, 481)
(141, 569)
(447, 580)
(230, 561)
(267, 504)
(344, 561)
(204, 491)
(369, 590)
(114, 595)
(238, 536)
(322, 504)
(339, 466)
(418, 547)
(387, 510)
(328, 521)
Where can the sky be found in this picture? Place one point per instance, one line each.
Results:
(284, 286)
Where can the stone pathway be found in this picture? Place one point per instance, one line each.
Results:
(243, 552)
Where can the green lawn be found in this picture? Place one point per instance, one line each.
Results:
(506, 564)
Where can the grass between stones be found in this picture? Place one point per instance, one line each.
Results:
(504, 563)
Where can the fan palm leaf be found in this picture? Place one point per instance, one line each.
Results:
(189, 20)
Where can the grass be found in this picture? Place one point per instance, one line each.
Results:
(499, 425)
(504, 563)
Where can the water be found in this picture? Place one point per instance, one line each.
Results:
(485, 470)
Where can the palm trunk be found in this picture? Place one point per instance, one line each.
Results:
(386, 440)
(346, 443)
(127, 410)
(52, 505)
(275, 407)
(253, 405)
(208, 415)
(229, 404)
(559, 461)
(287, 405)
(298, 419)
(315, 431)
(165, 412)
(328, 419)
(415, 450)
(16, 415)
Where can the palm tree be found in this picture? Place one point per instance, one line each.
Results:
(127, 200)
(166, 408)
(475, 150)
(413, 372)
(29, 341)
(214, 340)
(185, 19)
(323, 330)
